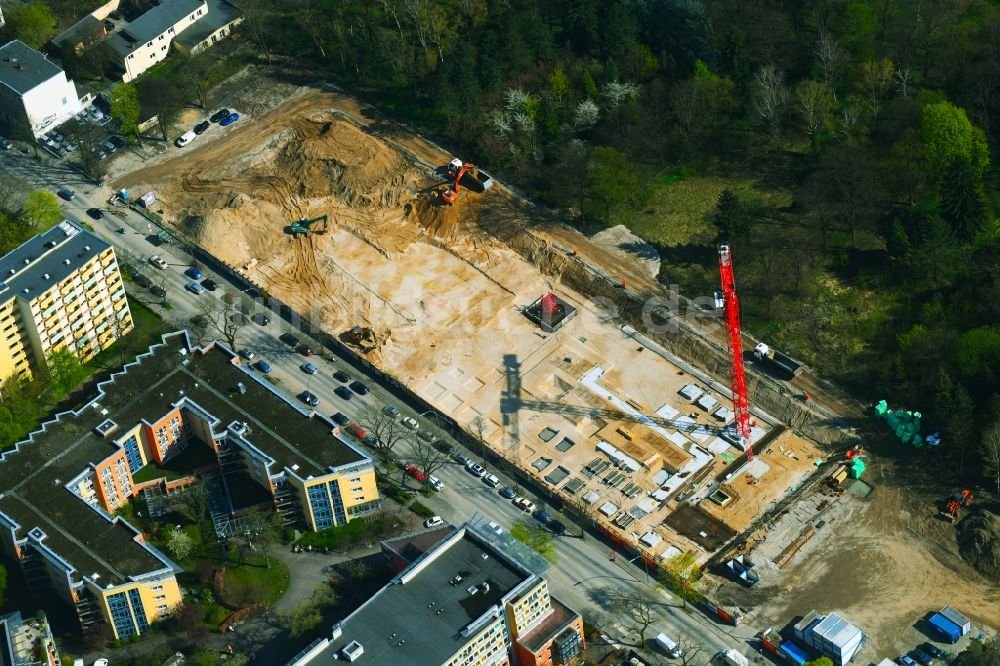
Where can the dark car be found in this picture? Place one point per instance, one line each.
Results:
(305, 350)
(95, 213)
(210, 284)
(194, 273)
(263, 366)
(904, 660)
(342, 376)
(219, 115)
(341, 419)
(508, 493)
(142, 280)
(229, 120)
(117, 141)
(157, 290)
(309, 398)
(556, 527)
(921, 657)
(543, 517)
(261, 319)
(201, 127)
(933, 650)
(343, 392)
(359, 388)
(67, 194)
(289, 339)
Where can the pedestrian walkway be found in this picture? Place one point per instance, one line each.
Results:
(307, 571)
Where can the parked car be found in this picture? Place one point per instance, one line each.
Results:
(117, 141)
(95, 213)
(185, 139)
(263, 366)
(289, 339)
(309, 368)
(543, 517)
(343, 392)
(933, 650)
(475, 469)
(905, 660)
(921, 657)
(444, 447)
(415, 472)
(194, 287)
(210, 284)
(359, 388)
(461, 458)
(219, 115)
(556, 527)
(158, 261)
(309, 398)
(341, 376)
(201, 127)
(373, 441)
(524, 504)
(410, 423)
(433, 522)
(101, 662)
(248, 354)
(357, 430)
(491, 480)
(305, 350)
(109, 147)
(157, 290)
(508, 493)
(5, 144)
(230, 119)
(94, 113)
(66, 193)
(57, 137)
(341, 419)
(391, 411)
(141, 280)
(427, 436)
(435, 483)
(194, 273)
(261, 319)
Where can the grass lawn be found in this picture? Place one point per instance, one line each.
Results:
(338, 537)
(148, 327)
(150, 472)
(268, 584)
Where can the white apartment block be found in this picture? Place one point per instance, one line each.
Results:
(35, 95)
(61, 289)
(146, 40)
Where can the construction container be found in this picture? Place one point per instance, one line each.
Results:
(770, 640)
(963, 622)
(792, 653)
(729, 616)
(946, 629)
(831, 636)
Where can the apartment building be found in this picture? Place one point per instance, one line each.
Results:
(62, 486)
(466, 596)
(61, 289)
(147, 40)
(35, 95)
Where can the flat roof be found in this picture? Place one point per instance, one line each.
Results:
(159, 19)
(424, 611)
(549, 628)
(47, 259)
(22, 68)
(81, 31)
(34, 474)
(837, 630)
(220, 14)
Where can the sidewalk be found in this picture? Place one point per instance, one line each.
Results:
(306, 571)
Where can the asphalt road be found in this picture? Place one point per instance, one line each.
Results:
(585, 577)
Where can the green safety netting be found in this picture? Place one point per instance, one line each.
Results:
(906, 425)
(857, 468)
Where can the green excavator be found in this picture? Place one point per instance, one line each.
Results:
(304, 226)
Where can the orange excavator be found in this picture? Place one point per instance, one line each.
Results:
(456, 170)
(957, 501)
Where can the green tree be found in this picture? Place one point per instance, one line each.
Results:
(125, 109)
(303, 619)
(948, 135)
(162, 96)
(611, 180)
(535, 537)
(822, 661)
(977, 356)
(732, 219)
(681, 576)
(64, 372)
(3, 584)
(559, 86)
(981, 653)
(953, 412)
(33, 23)
(963, 204)
(41, 210)
(179, 543)
(897, 242)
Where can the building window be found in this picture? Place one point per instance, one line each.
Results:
(121, 618)
(138, 610)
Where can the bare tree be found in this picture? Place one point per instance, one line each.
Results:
(829, 56)
(693, 653)
(814, 102)
(256, 22)
(427, 458)
(769, 97)
(636, 610)
(990, 450)
(904, 80)
(224, 317)
(478, 425)
(876, 78)
(384, 427)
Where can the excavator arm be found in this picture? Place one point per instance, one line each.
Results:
(305, 226)
(451, 194)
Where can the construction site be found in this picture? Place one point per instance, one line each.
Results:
(462, 291)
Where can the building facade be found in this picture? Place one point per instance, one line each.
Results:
(461, 597)
(35, 95)
(147, 40)
(62, 486)
(61, 289)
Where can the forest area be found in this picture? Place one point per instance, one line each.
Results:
(843, 148)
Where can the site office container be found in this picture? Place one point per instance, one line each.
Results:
(960, 620)
(770, 640)
(945, 628)
(792, 653)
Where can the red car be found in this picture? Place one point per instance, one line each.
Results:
(305, 350)
(356, 430)
(415, 472)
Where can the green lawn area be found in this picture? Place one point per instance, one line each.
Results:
(150, 472)
(268, 584)
(337, 537)
(148, 329)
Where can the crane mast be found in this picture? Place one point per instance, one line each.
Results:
(737, 375)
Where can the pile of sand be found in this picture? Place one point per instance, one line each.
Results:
(979, 543)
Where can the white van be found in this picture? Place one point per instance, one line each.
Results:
(668, 645)
(186, 138)
(436, 483)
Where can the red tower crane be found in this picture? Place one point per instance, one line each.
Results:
(737, 376)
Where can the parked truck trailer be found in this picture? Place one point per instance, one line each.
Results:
(778, 360)
(945, 628)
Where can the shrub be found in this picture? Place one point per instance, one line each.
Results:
(421, 510)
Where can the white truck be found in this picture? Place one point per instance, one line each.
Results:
(764, 353)
(732, 657)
